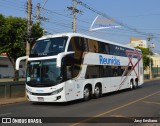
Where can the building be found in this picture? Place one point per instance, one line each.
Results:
(156, 60)
(6, 68)
(134, 42)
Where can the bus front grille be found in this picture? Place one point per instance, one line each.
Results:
(41, 94)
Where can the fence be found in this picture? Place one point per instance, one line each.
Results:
(12, 89)
(155, 73)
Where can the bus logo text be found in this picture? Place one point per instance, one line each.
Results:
(110, 61)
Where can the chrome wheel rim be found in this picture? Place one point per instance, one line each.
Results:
(86, 93)
(97, 91)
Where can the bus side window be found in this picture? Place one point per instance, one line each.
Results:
(102, 48)
(78, 44)
(75, 70)
(92, 71)
(128, 70)
(93, 46)
(107, 48)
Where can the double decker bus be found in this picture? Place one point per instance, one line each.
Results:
(70, 66)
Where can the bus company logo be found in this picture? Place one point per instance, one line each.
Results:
(39, 90)
(109, 61)
(6, 120)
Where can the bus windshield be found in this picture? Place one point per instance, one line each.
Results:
(42, 73)
(48, 47)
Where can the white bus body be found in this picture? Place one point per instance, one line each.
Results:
(83, 67)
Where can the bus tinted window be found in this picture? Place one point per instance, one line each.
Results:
(78, 44)
(104, 48)
(118, 50)
(99, 71)
(72, 67)
(93, 71)
(93, 46)
(47, 47)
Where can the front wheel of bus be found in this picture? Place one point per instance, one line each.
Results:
(87, 93)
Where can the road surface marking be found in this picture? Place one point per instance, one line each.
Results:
(114, 109)
(5, 114)
(152, 102)
(122, 116)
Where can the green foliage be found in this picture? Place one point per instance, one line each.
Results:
(13, 35)
(145, 54)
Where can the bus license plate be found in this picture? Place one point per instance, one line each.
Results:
(41, 99)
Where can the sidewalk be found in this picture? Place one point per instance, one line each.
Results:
(5, 101)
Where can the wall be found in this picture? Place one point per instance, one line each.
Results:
(6, 68)
(12, 89)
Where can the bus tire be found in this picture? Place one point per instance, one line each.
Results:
(131, 85)
(136, 84)
(86, 93)
(97, 91)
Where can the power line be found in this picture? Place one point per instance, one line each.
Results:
(11, 5)
(108, 17)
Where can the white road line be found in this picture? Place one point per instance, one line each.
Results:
(5, 114)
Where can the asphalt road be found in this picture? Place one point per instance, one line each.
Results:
(126, 105)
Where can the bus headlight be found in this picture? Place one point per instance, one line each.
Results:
(28, 92)
(57, 91)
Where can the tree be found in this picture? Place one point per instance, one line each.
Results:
(145, 55)
(13, 35)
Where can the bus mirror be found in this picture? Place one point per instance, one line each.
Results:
(60, 56)
(19, 60)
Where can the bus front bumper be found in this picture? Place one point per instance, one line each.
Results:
(57, 98)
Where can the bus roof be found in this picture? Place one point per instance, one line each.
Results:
(85, 36)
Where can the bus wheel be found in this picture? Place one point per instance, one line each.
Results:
(131, 85)
(97, 91)
(136, 84)
(86, 93)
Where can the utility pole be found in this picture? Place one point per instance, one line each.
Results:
(74, 15)
(39, 18)
(38, 13)
(29, 12)
(150, 59)
(150, 65)
(74, 11)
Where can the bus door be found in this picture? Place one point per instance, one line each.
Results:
(70, 83)
(72, 71)
(70, 90)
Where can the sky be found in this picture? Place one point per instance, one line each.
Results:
(139, 17)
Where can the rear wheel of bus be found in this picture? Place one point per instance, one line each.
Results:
(131, 85)
(97, 91)
(87, 93)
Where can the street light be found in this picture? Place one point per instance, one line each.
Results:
(150, 64)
